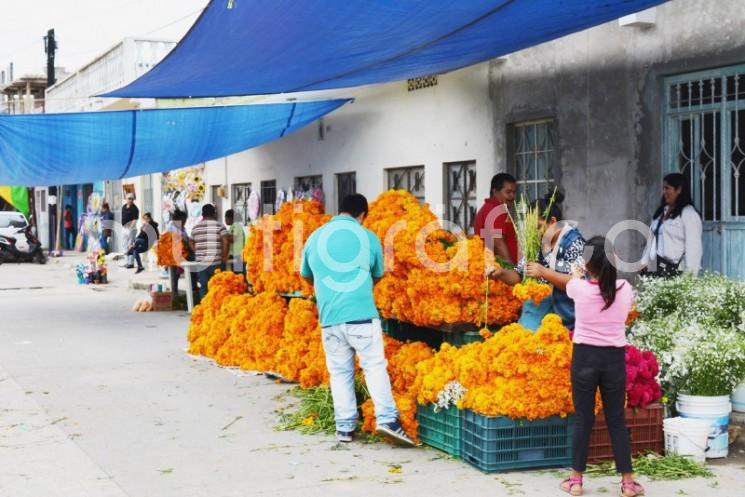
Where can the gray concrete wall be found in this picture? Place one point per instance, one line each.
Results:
(604, 89)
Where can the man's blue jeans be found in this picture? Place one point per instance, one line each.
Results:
(340, 342)
(204, 276)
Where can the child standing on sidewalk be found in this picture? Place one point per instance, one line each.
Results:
(602, 304)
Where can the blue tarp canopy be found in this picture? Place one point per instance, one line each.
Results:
(251, 47)
(61, 149)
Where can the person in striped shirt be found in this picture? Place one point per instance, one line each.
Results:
(210, 243)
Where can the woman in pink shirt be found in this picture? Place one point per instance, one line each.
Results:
(602, 303)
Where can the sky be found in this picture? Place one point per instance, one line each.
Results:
(84, 28)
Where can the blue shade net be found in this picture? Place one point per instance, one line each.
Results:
(251, 47)
(60, 149)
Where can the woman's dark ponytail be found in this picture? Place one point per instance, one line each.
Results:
(601, 267)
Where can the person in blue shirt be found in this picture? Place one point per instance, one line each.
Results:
(342, 259)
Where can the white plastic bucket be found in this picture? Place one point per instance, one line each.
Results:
(686, 437)
(738, 398)
(716, 410)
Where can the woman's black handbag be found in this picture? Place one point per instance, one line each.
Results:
(666, 268)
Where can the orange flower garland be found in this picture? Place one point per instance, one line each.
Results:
(272, 263)
(167, 246)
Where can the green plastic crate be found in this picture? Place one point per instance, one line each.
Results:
(456, 335)
(499, 443)
(442, 429)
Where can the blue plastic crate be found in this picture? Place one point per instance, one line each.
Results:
(499, 443)
(441, 429)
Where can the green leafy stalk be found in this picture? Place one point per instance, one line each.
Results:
(656, 467)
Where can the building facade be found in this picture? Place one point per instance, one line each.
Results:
(603, 113)
(116, 67)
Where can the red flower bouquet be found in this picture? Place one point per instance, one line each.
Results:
(642, 387)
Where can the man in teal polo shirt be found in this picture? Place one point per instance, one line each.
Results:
(341, 259)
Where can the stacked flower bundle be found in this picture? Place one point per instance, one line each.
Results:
(433, 278)
(402, 369)
(255, 332)
(642, 369)
(301, 357)
(273, 262)
(171, 249)
(221, 286)
(529, 240)
(514, 373)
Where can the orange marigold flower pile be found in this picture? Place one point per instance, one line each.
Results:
(402, 370)
(514, 373)
(221, 286)
(255, 334)
(301, 357)
(273, 263)
(531, 289)
(449, 290)
(171, 249)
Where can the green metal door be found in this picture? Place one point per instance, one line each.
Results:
(704, 130)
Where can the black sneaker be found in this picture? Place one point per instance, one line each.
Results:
(128, 266)
(139, 270)
(395, 433)
(344, 436)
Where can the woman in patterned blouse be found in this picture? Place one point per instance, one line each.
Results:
(562, 249)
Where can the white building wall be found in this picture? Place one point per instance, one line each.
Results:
(118, 66)
(385, 127)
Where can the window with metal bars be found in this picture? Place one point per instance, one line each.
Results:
(241, 192)
(705, 139)
(308, 187)
(460, 194)
(268, 196)
(346, 184)
(531, 157)
(409, 178)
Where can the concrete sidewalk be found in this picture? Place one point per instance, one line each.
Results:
(100, 401)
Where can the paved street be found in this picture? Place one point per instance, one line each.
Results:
(98, 400)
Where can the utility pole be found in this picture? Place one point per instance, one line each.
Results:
(50, 47)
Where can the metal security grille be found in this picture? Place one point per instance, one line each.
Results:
(410, 179)
(533, 157)
(306, 186)
(346, 184)
(241, 192)
(460, 198)
(704, 129)
(268, 196)
(707, 117)
(414, 84)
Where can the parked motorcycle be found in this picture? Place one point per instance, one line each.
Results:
(9, 251)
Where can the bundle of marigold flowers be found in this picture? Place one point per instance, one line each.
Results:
(529, 239)
(402, 370)
(221, 286)
(435, 278)
(301, 357)
(274, 247)
(514, 373)
(171, 249)
(255, 333)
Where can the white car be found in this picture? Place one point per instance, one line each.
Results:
(10, 223)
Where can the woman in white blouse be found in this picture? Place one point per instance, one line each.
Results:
(676, 242)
